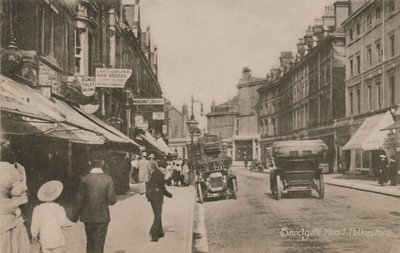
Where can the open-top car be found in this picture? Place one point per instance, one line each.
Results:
(216, 184)
(297, 167)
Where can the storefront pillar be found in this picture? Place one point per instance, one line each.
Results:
(69, 163)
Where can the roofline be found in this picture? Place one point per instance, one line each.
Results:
(356, 13)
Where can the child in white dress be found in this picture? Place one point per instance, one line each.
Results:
(49, 217)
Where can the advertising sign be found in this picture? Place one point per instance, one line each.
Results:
(112, 78)
(158, 115)
(164, 129)
(88, 85)
(148, 101)
(139, 120)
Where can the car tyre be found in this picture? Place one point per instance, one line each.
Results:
(234, 189)
(199, 193)
(279, 187)
(321, 187)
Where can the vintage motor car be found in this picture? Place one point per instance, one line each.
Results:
(297, 167)
(216, 184)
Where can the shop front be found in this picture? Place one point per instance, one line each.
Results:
(368, 143)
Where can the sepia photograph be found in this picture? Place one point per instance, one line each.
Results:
(199, 126)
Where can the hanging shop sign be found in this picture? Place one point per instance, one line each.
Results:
(148, 101)
(112, 78)
(89, 108)
(49, 77)
(139, 120)
(88, 85)
(158, 115)
(164, 129)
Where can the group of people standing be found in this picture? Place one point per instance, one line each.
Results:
(95, 193)
(388, 170)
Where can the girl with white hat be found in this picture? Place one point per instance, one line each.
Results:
(49, 217)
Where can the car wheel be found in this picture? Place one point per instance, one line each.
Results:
(321, 187)
(279, 187)
(234, 188)
(199, 193)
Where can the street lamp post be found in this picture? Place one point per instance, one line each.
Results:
(192, 126)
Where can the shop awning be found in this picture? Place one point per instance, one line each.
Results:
(76, 118)
(23, 100)
(396, 125)
(76, 135)
(156, 146)
(369, 136)
(108, 128)
(166, 149)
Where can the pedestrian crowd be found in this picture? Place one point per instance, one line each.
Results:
(388, 169)
(97, 191)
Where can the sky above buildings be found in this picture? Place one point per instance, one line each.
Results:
(203, 45)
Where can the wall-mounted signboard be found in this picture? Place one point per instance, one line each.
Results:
(112, 78)
(148, 101)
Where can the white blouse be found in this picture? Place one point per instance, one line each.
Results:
(47, 220)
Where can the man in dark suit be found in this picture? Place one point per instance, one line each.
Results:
(155, 192)
(96, 192)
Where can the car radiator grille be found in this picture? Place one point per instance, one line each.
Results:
(216, 182)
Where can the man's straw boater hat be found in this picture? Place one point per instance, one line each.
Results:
(50, 191)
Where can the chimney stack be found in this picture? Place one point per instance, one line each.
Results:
(300, 47)
(213, 106)
(328, 19)
(246, 73)
(341, 10)
(285, 59)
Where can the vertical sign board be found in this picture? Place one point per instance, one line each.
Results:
(164, 129)
(88, 85)
(48, 77)
(112, 78)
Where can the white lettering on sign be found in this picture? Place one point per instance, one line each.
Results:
(112, 78)
(158, 115)
(148, 101)
(88, 85)
(164, 129)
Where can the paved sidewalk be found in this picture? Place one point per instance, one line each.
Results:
(370, 185)
(131, 219)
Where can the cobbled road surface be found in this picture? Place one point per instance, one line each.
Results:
(345, 220)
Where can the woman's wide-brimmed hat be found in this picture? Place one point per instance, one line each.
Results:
(50, 191)
(152, 156)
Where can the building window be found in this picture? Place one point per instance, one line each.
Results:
(78, 49)
(358, 64)
(378, 13)
(369, 57)
(369, 98)
(392, 45)
(378, 51)
(369, 20)
(378, 92)
(351, 103)
(358, 102)
(391, 5)
(392, 90)
(351, 68)
(358, 29)
(351, 34)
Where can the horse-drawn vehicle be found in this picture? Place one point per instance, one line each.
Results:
(297, 167)
(214, 178)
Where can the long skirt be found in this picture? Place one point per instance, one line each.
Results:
(16, 239)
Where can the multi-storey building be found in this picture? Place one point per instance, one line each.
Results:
(303, 98)
(63, 43)
(245, 141)
(221, 122)
(372, 80)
